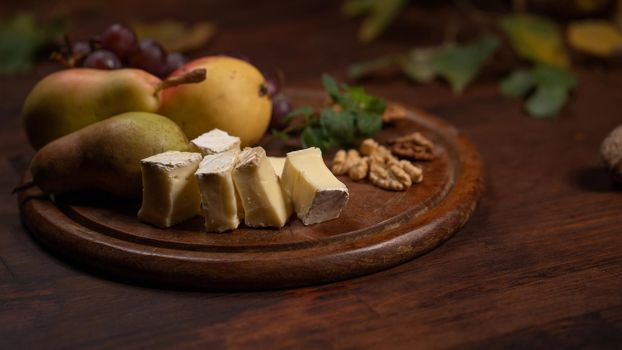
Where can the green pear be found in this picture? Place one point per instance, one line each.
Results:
(71, 99)
(106, 155)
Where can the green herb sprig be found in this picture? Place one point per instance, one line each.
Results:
(352, 115)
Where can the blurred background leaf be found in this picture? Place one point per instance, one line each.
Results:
(380, 14)
(545, 87)
(176, 36)
(594, 37)
(460, 64)
(457, 64)
(21, 37)
(535, 38)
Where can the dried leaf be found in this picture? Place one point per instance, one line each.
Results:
(535, 38)
(419, 65)
(175, 35)
(353, 8)
(594, 37)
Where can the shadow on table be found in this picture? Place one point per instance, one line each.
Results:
(593, 179)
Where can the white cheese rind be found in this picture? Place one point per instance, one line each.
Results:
(219, 201)
(316, 194)
(170, 191)
(216, 141)
(265, 204)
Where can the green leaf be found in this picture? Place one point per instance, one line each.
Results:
(548, 75)
(331, 87)
(313, 136)
(546, 101)
(283, 135)
(355, 97)
(21, 38)
(459, 65)
(381, 15)
(304, 111)
(535, 38)
(368, 124)
(338, 126)
(362, 69)
(552, 88)
(518, 83)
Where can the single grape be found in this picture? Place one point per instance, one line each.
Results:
(280, 108)
(174, 60)
(102, 59)
(80, 48)
(150, 57)
(119, 39)
(272, 86)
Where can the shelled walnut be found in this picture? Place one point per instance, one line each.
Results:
(378, 164)
(393, 112)
(414, 146)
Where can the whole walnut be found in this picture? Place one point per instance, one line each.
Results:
(611, 153)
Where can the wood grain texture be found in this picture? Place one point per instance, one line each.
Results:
(538, 265)
(377, 228)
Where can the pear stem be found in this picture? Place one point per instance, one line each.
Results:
(192, 77)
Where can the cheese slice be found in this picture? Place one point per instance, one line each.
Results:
(170, 191)
(265, 204)
(317, 195)
(277, 163)
(216, 141)
(219, 201)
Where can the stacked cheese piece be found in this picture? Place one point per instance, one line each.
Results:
(230, 185)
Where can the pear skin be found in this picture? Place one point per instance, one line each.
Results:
(106, 155)
(233, 98)
(69, 100)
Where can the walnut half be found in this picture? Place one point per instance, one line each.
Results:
(414, 146)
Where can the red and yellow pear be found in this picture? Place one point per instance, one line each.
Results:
(68, 100)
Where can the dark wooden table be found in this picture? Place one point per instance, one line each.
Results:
(539, 265)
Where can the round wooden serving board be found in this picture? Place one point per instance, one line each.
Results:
(377, 229)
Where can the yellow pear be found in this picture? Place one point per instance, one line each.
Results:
(232, 98)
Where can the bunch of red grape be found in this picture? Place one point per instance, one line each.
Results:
(280, 103)
(118, 47)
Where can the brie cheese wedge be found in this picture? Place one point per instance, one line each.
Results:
(265, 204)
(170, 191)
(317, 195)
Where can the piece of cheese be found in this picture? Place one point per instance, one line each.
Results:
(277, 163)
(317, 195)
(219, 201)
(170, 190)
(216, 141)
(265, 204)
